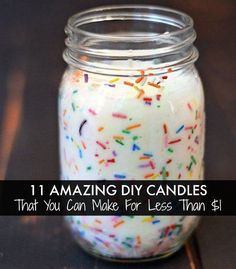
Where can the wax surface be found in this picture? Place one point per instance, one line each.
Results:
(143, 127)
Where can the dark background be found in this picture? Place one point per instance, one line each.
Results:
(31, 44)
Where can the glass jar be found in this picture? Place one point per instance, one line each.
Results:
(131, 106)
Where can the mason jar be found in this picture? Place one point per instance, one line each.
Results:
(131, 107)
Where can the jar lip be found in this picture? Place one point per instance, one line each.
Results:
(86, 17)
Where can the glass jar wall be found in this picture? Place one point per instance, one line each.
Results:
(131, 107)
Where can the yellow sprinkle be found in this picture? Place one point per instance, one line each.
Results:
(114, 80)
(155, 176)
(190, 174)
(147, 219)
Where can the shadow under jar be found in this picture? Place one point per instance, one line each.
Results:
(131, 106)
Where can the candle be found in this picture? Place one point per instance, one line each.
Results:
(129, 120)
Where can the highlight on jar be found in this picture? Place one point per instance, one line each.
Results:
(131, 107)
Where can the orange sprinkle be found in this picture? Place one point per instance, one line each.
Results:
(98, 221)
(169, 70)
(148, 175)
(84, 146)
(77, 74)
(65, 123)
(84, 58)
(65, 111)
(133, 126)
(141, 92)
(100, 129)
(138, 80)
(118, 223)
(156, 85)
(129, 83)
(101, 161)
(144, 158)
(138, 238)
(119, 137)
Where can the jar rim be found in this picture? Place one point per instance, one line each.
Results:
(160, 36)
(85, 17)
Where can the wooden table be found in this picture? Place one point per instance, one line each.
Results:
(31, 43)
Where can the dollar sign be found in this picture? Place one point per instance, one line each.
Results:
(216, 204)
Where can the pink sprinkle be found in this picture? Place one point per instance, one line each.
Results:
(166, 141)
(119, 115)
(112, 235)
(101, 144)
(92, 111)
(190, 107)
(152, 164)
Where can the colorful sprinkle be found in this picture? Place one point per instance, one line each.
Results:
(133, 126)
(86, 78)
(156, 85)
(81, 127)
(101, 144)
(179, 129)
(135, 147)
(119, 115)
(118, 223)
(92, 111)
(129, 83)
(174, 141)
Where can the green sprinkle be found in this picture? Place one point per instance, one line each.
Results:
(190, 166)
(126, 131)
(127, 244)
(119, 142)
(135, 137)
(89, 167)
(158, 106)
(73, 106)
(163, 173)
(170, 150)
(75, 91)
(193, 159)
(130, 118)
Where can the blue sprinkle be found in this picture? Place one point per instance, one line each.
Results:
(135, 147)
(80, 154)
(148, 154)
(119, 176)
(180, 128)
(155, 221)
(67, 137)
(81, 233)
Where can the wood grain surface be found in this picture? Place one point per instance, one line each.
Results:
(31, 44)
